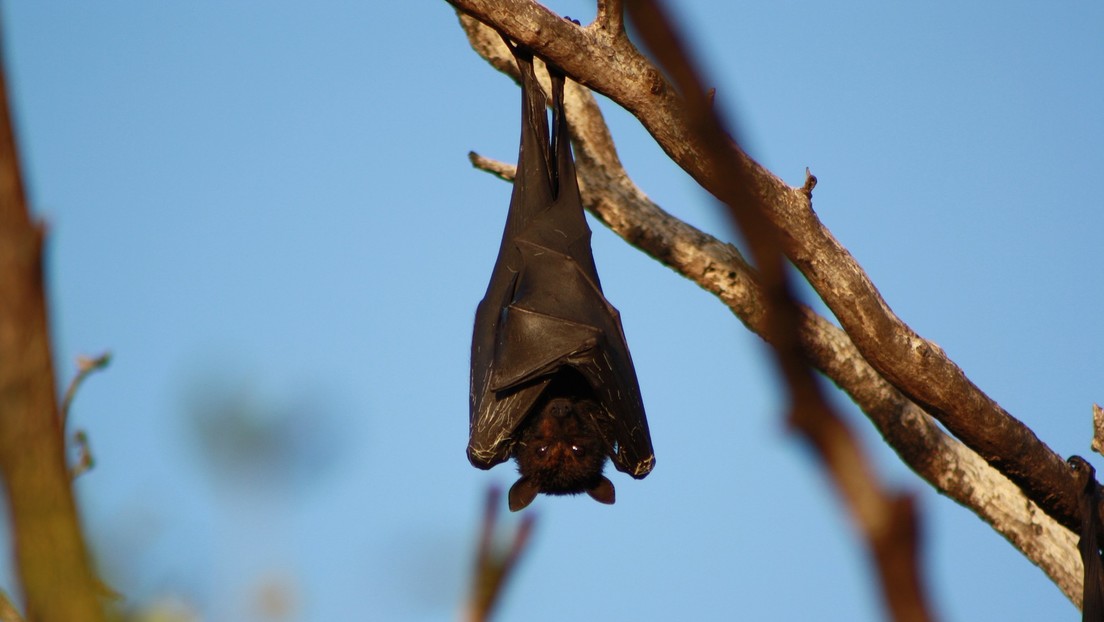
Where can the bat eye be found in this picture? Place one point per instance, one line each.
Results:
(543, 449)
(576, 449)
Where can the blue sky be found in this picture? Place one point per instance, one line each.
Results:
(266, 210)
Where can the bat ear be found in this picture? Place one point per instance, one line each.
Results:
(602, 492)
(522, 493)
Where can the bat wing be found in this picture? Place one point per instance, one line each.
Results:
(545, 310)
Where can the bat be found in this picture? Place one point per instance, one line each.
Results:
(552, 382)
(1092, 594)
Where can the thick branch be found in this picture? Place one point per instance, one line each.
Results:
(53, 565)
(919, 368)
(946, 464)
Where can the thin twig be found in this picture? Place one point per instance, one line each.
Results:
(500, 170)
(85, 368)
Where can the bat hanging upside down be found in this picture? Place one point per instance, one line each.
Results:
(552, 382)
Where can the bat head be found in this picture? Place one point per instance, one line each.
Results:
(561, 452)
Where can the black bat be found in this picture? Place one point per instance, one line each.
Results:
(552, 382)
(1092, 594)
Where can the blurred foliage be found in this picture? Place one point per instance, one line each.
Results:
(256, 441)
(161, 610)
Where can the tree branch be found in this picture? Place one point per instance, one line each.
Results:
(919, 368)
(945, 463)
(53, 565)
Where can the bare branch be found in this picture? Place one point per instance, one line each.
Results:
(945, 463)
(916, 366)
(500, 170)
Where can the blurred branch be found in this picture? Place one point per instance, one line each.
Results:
(945, 463)
(493, 567)
(51, 559)
(8, 612)
(887, 520)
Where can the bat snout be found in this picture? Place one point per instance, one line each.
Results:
(560, 408)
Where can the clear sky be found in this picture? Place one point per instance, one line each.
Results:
(265, 210)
